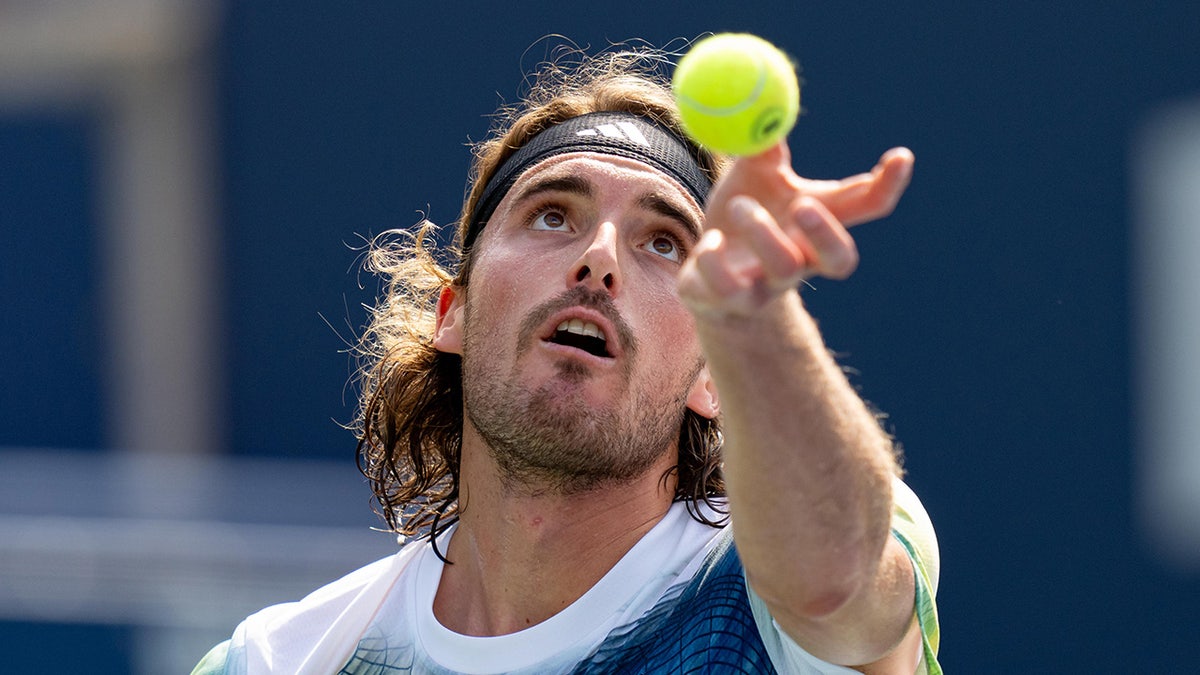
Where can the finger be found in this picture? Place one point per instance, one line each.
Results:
(867, 196)
(714, 268)
(836, 254)
(780, 258)
(776, 155)
(768, 176)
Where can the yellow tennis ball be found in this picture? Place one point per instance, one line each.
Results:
(737, 93)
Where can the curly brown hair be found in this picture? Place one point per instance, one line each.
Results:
(410, 421)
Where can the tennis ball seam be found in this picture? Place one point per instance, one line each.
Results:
(745, 104)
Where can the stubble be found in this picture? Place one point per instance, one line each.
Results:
(551, 438)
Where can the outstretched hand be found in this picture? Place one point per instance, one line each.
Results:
(767, 229)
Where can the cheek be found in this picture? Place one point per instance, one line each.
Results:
(488, 306)
(673, 330)
(493, 289)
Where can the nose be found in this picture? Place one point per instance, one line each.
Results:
(597, 267)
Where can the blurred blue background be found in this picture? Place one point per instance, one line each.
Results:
(994, 317)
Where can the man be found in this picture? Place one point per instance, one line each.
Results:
(615, 428)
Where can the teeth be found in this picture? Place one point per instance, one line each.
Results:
(580, 327)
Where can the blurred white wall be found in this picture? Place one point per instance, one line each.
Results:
(164, 534)
(1166, 303)
(143, 68)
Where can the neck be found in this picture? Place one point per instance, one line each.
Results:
(521, 555)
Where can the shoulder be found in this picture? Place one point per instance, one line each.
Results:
(318, 627)
(329, 599)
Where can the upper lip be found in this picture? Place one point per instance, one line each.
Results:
(606, 328)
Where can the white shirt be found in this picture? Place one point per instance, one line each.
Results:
(678, 598)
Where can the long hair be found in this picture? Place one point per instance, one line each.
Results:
(410, 419)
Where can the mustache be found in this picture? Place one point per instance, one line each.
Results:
(579, 296)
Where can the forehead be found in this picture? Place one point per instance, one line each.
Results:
(605, 171)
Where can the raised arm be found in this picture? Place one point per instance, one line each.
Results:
(808, 469)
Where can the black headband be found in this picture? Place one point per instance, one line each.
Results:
(613, 133)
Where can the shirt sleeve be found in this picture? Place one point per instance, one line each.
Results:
(913, 529)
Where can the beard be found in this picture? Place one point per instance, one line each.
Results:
(551, 438)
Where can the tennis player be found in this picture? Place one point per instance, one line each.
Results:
(607, 427)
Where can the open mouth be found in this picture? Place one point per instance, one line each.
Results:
(583, 335)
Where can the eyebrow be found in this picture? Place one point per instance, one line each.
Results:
(576, 185)
(664, 207)
(581, 186)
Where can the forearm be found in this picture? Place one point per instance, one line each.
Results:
(807, 467)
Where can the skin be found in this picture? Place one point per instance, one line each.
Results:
(798, 440)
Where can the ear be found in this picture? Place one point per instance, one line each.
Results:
(703, 399)
(447, 332)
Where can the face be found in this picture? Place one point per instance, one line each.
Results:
(578, 357)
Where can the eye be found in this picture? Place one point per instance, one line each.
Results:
(549, 220)
(666, 246)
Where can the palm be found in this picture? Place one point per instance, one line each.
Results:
(767, 229)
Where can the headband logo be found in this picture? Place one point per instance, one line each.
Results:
(631, 132)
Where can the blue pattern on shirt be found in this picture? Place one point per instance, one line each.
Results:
(702, 626)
